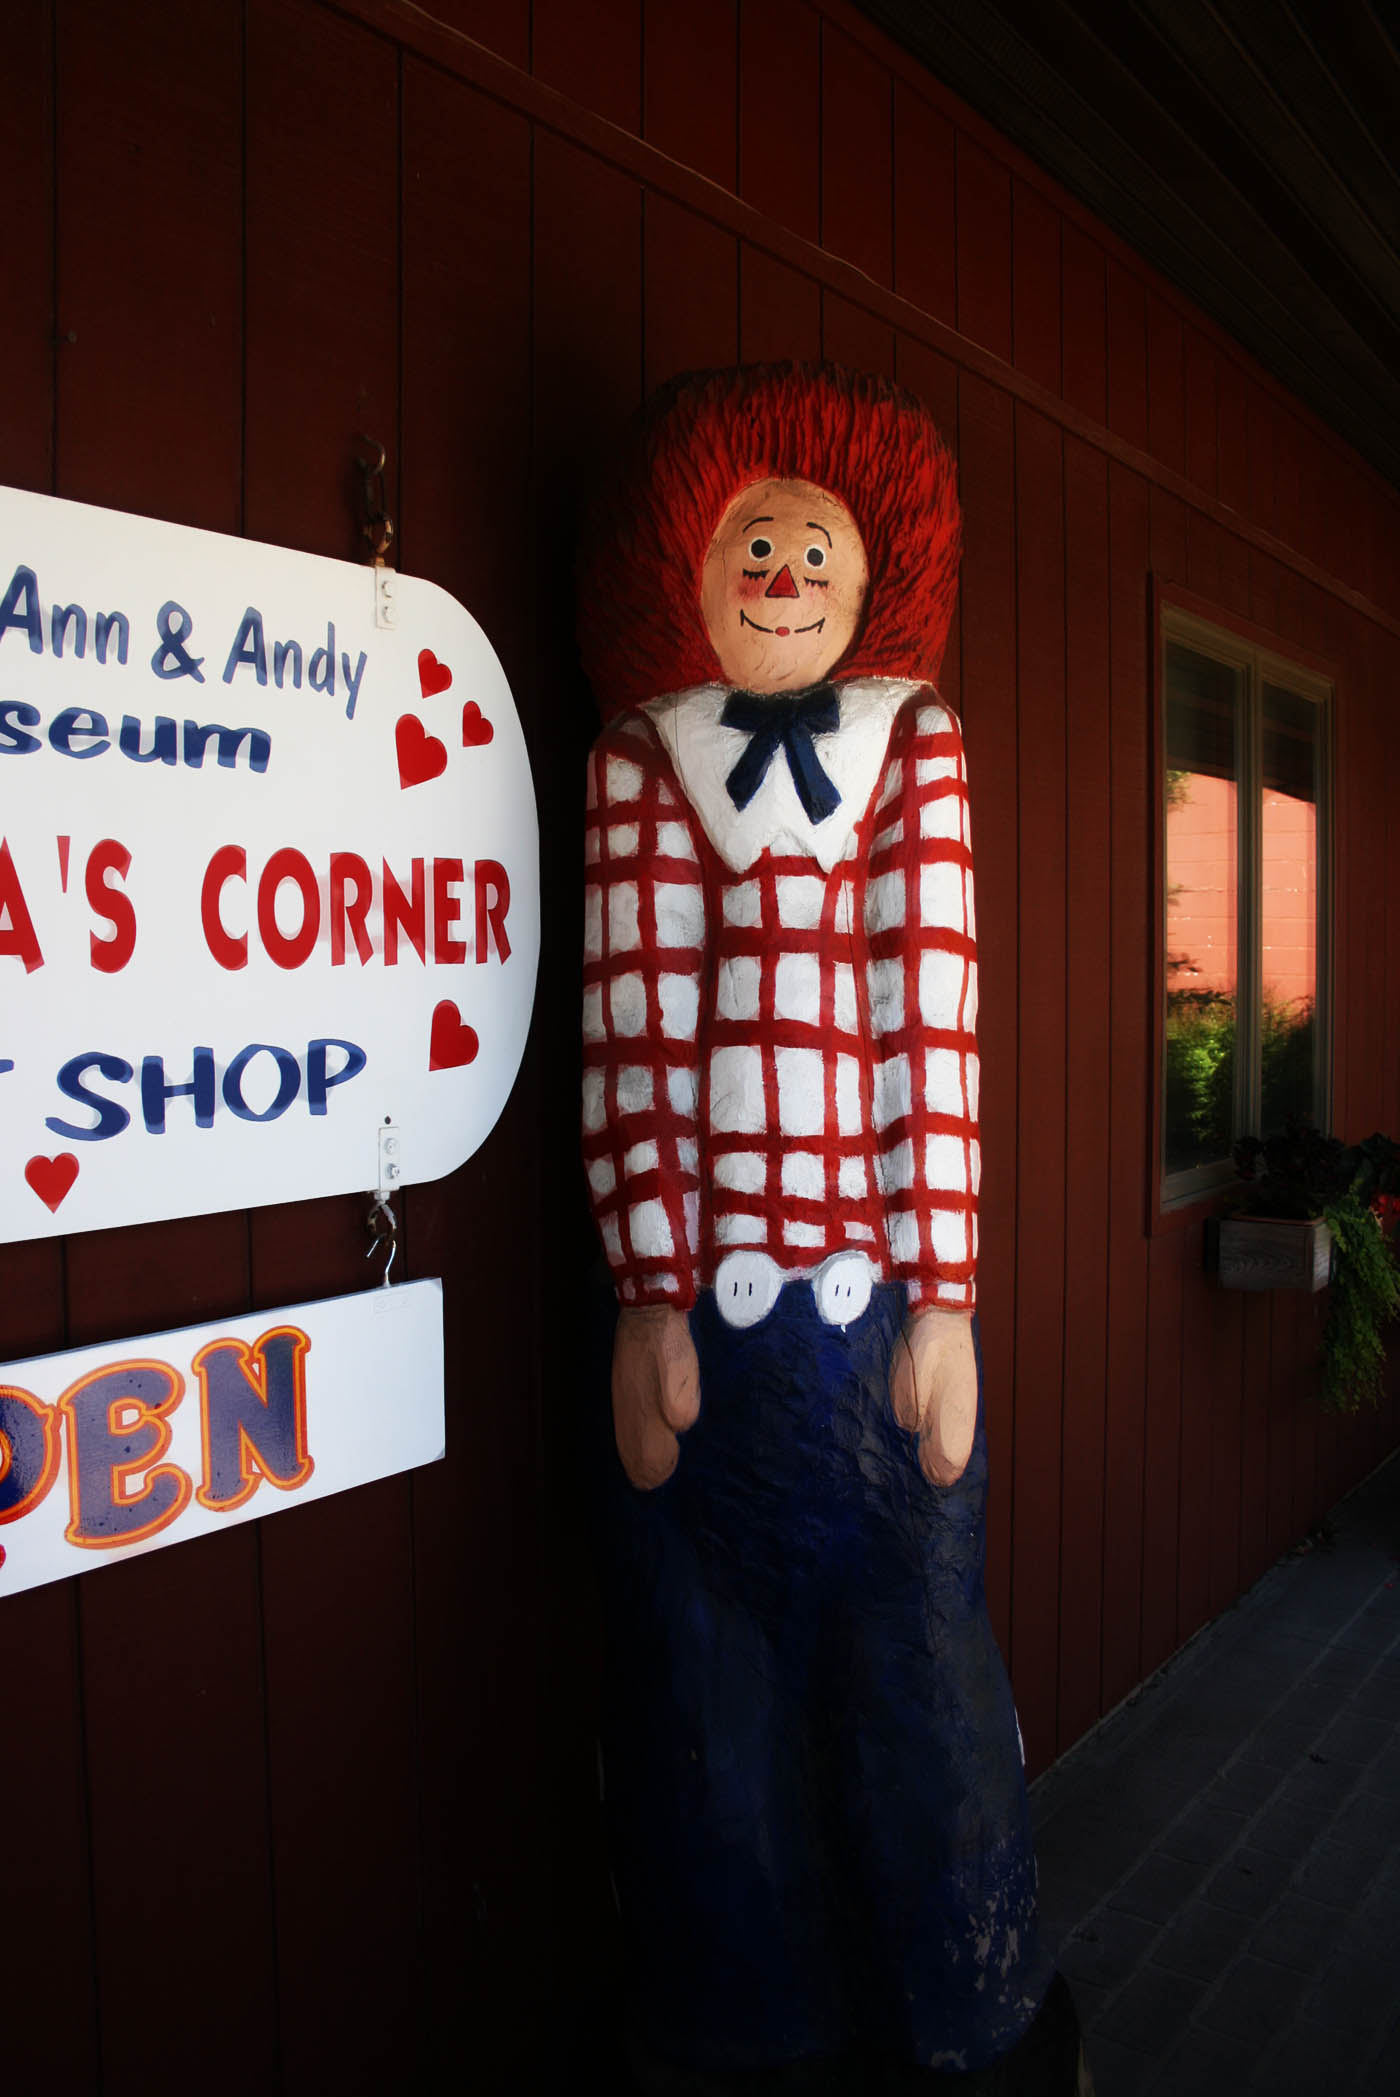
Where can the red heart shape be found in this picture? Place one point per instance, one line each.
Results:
(433, 676)
(51, 1178)
(421, 756)
(476, 729)
(452, 1042)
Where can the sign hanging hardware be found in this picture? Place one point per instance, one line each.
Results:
(381, 1219)
(385, 1225)
(378, 529)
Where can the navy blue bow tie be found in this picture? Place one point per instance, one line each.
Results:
(790, 724)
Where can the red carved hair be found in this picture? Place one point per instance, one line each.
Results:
(703, 439)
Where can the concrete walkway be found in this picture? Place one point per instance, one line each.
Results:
(1220, 1859)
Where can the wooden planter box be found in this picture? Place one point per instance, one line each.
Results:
(1274, 1252)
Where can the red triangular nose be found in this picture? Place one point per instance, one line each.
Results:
(782, 584)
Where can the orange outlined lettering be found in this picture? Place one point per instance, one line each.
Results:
(109, 1413)
(252, 1416)
(45, 1419)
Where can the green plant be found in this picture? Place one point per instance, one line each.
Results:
(1200, 1076)
(1178, 785)
(1200, 1069)
(1287, 1063)
(1355, 1188)
(1365, 1297)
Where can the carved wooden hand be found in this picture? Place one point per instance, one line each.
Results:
(933, 1386)
(655, 1391)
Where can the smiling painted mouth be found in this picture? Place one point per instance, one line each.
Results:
(784, 631)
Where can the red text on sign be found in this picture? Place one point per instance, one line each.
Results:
(294, 907)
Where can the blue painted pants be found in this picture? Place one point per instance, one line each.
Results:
(813, 1777)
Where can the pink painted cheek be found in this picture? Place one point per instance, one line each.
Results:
(749, 592)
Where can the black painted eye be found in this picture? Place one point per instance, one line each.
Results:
(816, 556)
(760, 548)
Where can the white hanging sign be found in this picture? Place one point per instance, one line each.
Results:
(269, 874)
(109, 1451)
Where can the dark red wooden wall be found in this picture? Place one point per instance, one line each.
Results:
(309, 1805)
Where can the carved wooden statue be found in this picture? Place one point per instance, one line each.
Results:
(812, 1763)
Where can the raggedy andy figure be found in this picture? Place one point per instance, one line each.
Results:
(812, 1766)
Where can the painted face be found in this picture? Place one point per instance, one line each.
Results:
(783, 586)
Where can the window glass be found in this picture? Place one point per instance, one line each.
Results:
(1290, 760)
(1202, 906)
(1244, 964)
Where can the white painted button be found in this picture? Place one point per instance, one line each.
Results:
(842, 1287)
(746, 1287)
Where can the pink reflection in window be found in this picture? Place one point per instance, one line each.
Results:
(1289, 902)
(1202, 871)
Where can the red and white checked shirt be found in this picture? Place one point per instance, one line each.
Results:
(779, 1017)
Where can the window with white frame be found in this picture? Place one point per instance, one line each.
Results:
(1245, 960)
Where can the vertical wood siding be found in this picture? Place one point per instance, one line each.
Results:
(330, 1777)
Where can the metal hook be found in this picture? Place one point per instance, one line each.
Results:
(385, 1226)
(378, 526)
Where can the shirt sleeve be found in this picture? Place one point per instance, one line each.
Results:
(644, 944)
(921, 933)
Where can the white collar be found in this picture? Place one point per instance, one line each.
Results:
(704, 752)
